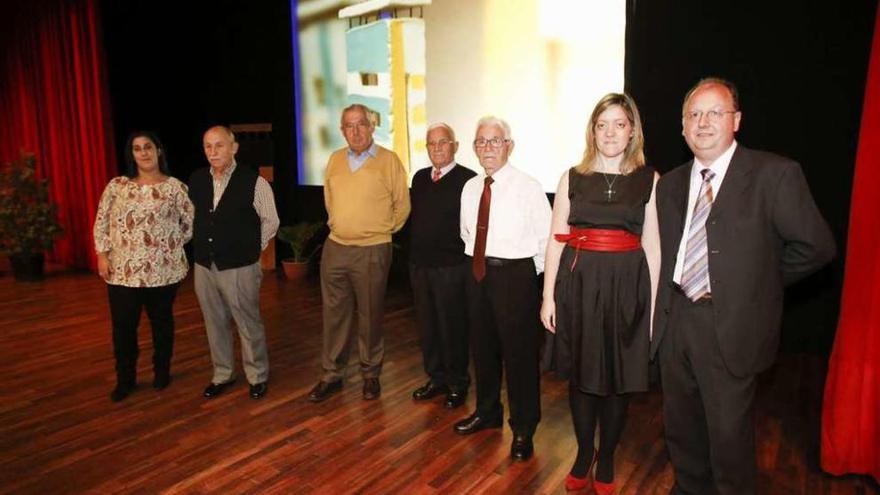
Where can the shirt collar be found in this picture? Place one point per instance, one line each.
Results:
(719, 166)
(502, 173)
(371, 151)
(445, 168)
(226, 173)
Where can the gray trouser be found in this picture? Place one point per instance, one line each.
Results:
(233, 294)
(353, 282)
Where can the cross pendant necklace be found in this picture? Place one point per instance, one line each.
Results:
(610, 183)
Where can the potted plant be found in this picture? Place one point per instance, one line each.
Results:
(301, 238)
(28, 219)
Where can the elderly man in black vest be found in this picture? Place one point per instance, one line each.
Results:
(235, 218)
(438, 267)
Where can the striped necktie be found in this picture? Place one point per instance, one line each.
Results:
(695, 273)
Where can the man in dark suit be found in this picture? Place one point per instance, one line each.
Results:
(438, 268)
(736, 226)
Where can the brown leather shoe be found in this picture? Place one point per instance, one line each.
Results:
(372, 389)
(323, 390)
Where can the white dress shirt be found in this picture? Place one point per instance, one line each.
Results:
(720, 167)
(519, 216)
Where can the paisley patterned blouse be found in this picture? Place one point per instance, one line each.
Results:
(143, 228)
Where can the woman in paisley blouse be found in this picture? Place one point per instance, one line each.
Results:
(144, 219)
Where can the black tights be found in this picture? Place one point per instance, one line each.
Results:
(610, 411)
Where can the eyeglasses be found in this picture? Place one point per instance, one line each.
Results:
(439, 144)
(712, 115)
(495, 142)
(359, 125)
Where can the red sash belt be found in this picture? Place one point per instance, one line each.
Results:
(605, 240)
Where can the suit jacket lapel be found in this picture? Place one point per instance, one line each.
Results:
(735, 183)
(681, 189)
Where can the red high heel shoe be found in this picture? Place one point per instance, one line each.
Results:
(573, 483)
(603, 488)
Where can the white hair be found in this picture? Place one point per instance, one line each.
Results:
(491, 120)
(441, 125)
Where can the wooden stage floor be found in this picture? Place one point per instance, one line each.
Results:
(59, 432)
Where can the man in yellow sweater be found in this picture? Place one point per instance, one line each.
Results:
(367, 200)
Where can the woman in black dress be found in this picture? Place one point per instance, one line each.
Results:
(600, 279)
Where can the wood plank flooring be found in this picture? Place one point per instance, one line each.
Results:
(60, 434)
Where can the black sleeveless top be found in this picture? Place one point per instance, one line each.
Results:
(624, 208)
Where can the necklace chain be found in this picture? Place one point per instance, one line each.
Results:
(610, 191)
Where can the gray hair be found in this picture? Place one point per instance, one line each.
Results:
(491, 120)
(368, 113)
(441, 125)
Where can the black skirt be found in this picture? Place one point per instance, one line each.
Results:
(603, 311)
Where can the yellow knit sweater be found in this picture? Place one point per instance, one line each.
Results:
(367, 206)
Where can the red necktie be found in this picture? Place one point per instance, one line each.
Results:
(435, 176)
(479, 267)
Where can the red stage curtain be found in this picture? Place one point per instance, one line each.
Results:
(851, 408)
(54, 104)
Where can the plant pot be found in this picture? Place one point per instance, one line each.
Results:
(27, 267)
(295, 270)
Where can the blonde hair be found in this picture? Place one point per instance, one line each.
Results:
(634, 154)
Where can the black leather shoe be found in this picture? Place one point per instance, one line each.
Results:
(475, 423)
(455, 399)
(429, 391)
(258, 390)
(215, 389)
(372, 389)
(521, 449)
(161, 380)
(121, 392)
(323, 390)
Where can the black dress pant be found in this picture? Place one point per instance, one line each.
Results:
(707, 411)
(441, 312)
(505, 335)
(125, 312)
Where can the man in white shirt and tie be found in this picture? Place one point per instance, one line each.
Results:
(505, 223)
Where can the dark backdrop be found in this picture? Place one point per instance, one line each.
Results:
(800, 66)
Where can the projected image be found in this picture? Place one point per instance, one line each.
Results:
(540, 64)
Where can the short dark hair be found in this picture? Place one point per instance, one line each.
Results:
(734, 93)
(131, 170)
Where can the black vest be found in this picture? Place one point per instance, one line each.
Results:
(228, 236)
(435, 235)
